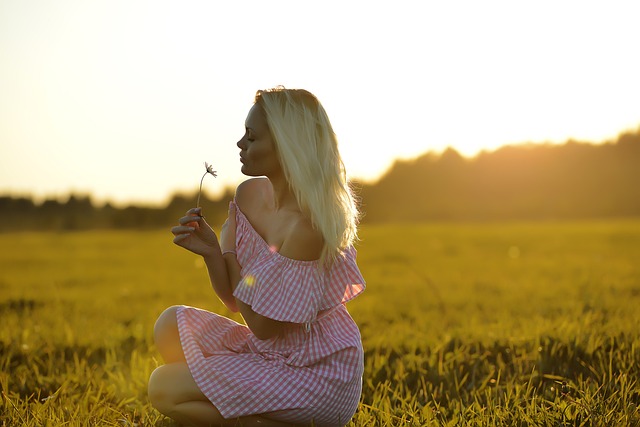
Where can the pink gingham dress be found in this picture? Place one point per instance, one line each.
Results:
(310, 373)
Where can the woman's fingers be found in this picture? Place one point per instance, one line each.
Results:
(182, 229)
(188, 219)
(180, 237)
(193, 218)
(193, 233)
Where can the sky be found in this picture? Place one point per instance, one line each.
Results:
(125, 100)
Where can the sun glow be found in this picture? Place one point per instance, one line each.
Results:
(96, 89)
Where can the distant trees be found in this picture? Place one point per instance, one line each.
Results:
(522, 182)
(570, 181)
(79, 213)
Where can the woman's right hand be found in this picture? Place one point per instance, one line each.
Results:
(194, 234)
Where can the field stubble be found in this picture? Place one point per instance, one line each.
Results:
(462, 324)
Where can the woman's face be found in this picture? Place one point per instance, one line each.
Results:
(257, 150)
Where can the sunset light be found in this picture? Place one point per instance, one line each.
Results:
(122, 100)
(482, 185)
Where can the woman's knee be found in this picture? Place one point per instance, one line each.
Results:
(171, 387)
(159, 391)
(167, 323)
(167, 336)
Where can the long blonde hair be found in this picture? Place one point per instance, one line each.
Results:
(309, 155)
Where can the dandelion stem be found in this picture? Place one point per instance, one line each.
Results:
(200, 190)
(208, 169)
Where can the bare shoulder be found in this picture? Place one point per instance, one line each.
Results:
(303, 242)
(252, 193)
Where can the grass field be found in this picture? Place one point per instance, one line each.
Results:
(462, 324)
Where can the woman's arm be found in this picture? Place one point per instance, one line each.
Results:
(262, 327)
(195, 235)
(219, 278)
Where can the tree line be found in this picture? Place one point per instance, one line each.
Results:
(80, 213)
(575, 180)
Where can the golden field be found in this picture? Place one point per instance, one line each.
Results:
(463, 324)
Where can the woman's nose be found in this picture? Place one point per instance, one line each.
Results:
(240, 143)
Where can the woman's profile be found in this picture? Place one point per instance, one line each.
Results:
(285, 260)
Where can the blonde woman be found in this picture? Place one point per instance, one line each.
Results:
(285, 260)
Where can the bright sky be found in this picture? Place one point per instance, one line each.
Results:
(127, 99)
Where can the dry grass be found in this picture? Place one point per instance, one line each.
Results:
(463, 325)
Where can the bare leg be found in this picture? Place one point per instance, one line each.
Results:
(174, 393)
(167, 338)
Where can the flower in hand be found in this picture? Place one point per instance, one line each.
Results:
(209, 169)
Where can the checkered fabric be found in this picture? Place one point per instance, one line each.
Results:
(310, 373)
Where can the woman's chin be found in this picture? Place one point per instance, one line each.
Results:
(247, 172)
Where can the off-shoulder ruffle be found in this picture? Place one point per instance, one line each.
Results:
(345, 280)
(286, 289)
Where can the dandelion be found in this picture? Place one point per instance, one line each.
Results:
(209, 169)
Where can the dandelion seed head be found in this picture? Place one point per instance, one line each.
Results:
(210, 170)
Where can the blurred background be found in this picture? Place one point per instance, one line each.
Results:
(444, 111)
(494, 147)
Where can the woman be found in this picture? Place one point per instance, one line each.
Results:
(285, 260)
